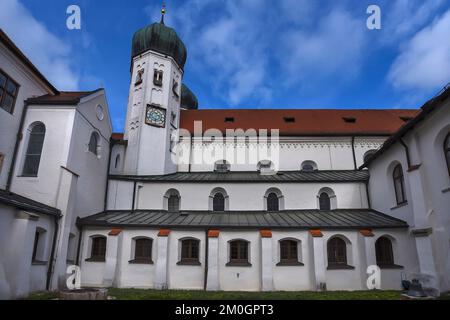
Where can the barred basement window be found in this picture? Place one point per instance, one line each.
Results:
(447, 151)
(337, 252)
(399, 185)
(34, 150)
(8, 92)
(324, 201)
(288, 251)
(239, 253)
(98, 249)
(173, 203)
(190, 252)
(143, 250)
(273, 202)
(384, 252)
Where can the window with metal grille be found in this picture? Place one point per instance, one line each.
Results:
(34, 150)
(173, 203)
(93, 143)
(98, 249)
(190, 250)
(239, 251)
(219, 202)
(288, 251)
(384, 252)
(143, 249)
(447, 151)
(399, 185)
(8, 92)
(272, 202)
(324, 201)
(337, 252)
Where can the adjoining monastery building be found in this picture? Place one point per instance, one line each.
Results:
(320, 195)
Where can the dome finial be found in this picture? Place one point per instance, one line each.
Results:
(163, 11)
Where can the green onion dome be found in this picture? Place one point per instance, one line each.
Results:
(188, 99)
(162, 39)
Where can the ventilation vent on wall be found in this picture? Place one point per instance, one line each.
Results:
(349, 119)
(229, 119)
(289, 119)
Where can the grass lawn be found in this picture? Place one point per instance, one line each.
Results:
(148, 294)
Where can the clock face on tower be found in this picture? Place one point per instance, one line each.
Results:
(155, 116)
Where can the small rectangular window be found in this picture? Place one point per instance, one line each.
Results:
(8, 92)
(349, 119)
(158, 78)
(289, 119)
(229, 119)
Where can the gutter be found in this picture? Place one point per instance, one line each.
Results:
(52, 255)
(19, 138)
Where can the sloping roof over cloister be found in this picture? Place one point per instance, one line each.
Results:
(27, 204)
(337, 176)
(290, 219)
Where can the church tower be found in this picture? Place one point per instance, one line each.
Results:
(153, 115)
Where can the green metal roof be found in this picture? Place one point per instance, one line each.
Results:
(162, 39)
(188, 99)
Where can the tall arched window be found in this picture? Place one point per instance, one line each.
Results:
(337, 252)
(173, 203)
(143, 250)
(98, 248)
(324, 201)
(219, 202)
(399, 184)
(447, 151)
(384, 252)
(93, 143)
(273, 203)
(34, 150)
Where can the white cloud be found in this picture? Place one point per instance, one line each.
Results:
(49, 54)
(424, 61)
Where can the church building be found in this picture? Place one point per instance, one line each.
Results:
(209, 199)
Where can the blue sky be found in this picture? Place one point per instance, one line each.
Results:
(248, 54)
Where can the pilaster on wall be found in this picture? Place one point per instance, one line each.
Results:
(425, 255)
(212, 279)
(266, 261)
(319, 260)
(112, 256)
(369, 256)
(161, 261)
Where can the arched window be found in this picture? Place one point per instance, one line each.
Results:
(219, 202)
(399, 184)
(309, 166)
(34, 150)
(324, 201)
(384, 252)
(190, 252)
(173, 203)
(39, 245)
(447, 151)
(273, 203)
(93, 143)
(239, 253)
(143, 250)
(288, 251)
(368, 154)
(117, 161)
(222, 166)
(337, 252)
(265, 167)
(98, 248)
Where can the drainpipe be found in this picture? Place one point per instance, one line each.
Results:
(191, 147)
(205, 281)
(16, 147)
(369, 202)
(353, 152)
(134, 197)
(408, 158)
(111, 144)
(52, 254)
(80, 236)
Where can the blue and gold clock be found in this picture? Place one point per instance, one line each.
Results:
(155, 116)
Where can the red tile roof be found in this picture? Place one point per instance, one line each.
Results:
(306, 122)
(62, 98)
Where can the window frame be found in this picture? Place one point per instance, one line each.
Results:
(142, 259)
(401, 180)
(4, 92)
(242, 260)
(384, 253)
(271, 198)
(192, 256)
(95, 135)
(28, 155)
(102, 248)
(321, 199)
(173, 196)
(337, 257)
(293, 255)
(214, 204)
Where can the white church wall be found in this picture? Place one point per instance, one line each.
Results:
(246, 196)
(117, 159)
(120, 195)
(9, 123)
(58, 125)
(185, 276)
(92, 272)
